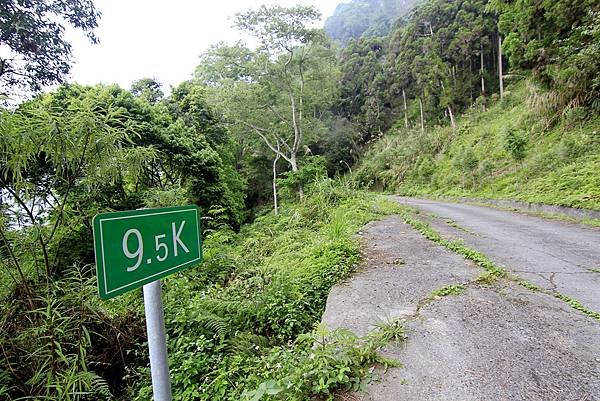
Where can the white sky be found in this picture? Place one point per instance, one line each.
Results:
(160, 39)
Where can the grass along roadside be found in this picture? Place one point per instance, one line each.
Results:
(492, 272)
(244, 324)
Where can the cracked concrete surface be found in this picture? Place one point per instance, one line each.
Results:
(554, 255)
(489, 343)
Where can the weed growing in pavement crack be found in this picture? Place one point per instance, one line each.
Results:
(454, 289)
(453, 224)
(573, 303)
(492, 272)
(529, 286)
(480, 259)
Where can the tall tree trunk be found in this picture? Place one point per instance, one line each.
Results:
(275, 160)
(494, 56)
(422, 116)
(500, 66)
(452, 121)
(294, 165)
(481, 73)
(405, 109)
(454, 75)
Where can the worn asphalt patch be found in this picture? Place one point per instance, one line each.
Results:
(554, 255)
(402, 267)
(488, 343)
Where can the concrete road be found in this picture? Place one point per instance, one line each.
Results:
(502, 342)
(554, 255)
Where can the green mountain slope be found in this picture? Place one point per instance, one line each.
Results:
(356, 18)
(521, 148)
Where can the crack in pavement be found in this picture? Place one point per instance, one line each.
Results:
(552, 255)
(463, 347)
(527, 245)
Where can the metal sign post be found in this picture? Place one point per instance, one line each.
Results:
(157, 341)
(137, 248)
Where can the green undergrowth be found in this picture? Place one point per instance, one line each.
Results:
(521, 148)
(575, 304)
(242, 325)
(448, 290)
(491, 272)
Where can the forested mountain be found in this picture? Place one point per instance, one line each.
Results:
(441, 58)
(277, 144)
(446, 61)
(368, 18)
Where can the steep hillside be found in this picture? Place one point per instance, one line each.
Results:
(356, 18)
(521, 148)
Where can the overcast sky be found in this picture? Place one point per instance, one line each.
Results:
(160, 38)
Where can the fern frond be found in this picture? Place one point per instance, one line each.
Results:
(99, 386)
(215, 324)
(248, 344)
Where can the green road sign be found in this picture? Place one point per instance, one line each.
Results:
(137, 247)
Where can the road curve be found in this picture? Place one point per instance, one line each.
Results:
(555, 255)
(487, 342)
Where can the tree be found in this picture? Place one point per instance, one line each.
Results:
(33, 33)
(50, 152)
(62, 159)
(362, 85)
(147, 88)
(279, 90)
(558, 41)
(441, 56)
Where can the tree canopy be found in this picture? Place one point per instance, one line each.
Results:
(277, 92)
(33, 32)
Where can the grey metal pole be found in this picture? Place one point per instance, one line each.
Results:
(157, 342)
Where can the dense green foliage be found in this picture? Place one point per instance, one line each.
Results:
(508, 152)
(249, 308)
(282, 120)
(32, 35)
(365, 18)
(559, 41)
(276, 99)
(363, 85)
(538, 144)
(66, 156)
(438, 59)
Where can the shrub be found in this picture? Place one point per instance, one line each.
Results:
(425, 169)
(466, 160)
(515, 143)
(247, 323)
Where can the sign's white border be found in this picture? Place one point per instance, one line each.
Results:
(155, 274)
